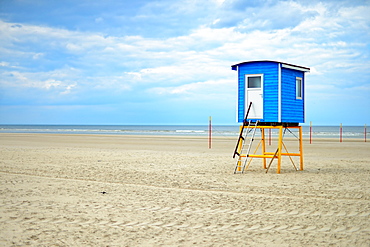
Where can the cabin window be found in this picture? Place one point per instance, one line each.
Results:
(254, 81)
(298, 83)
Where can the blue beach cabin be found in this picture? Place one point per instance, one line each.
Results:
(276, 90)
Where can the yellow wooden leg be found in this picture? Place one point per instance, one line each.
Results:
(240, 142)
(280, 145)
(239, 150)
(263, 147)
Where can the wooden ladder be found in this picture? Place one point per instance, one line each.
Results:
(241, 145)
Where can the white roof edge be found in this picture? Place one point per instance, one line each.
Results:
(294, 67)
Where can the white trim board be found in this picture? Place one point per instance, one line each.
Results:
(294, 67)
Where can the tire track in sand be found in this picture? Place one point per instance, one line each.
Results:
(182, 225)
(199, 210)
(209, 226)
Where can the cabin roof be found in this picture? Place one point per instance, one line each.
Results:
(287, 65)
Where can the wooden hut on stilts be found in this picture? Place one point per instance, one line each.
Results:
(271, 96)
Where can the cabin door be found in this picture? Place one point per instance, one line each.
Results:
(254, 94)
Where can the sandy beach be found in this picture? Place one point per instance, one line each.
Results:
(101, 190)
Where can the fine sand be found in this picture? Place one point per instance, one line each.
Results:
(95, 190)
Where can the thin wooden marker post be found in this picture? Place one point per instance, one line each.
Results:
(210, 133)
(300, 149)
(269, 137)
(310, 132)
(340, 132)
(365, 132)
(263, 147)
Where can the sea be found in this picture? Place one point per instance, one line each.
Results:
(182, 130)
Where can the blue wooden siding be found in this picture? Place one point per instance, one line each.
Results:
(270, 89)
(292, 109)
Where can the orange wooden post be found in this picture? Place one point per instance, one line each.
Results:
(269, 137)
(300, 149)
(365, 132)
(310, 132)
(210, 133)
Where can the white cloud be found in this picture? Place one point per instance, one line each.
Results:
(99, 19)
(332, 41)
(176, 61)
(198, 88)
(43, 81)
(4, 64)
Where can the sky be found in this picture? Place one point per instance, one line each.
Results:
(169, 62)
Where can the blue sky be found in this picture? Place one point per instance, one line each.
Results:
(168, 62)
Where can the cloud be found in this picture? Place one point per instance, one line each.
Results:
(181, 60)
(126, 67)
(56, 81)
(204, 88)
(263, 15)
(4, 64)
(99, 19)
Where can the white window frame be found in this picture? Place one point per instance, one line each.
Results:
(298, 94)
(253, 89)
(253, 75)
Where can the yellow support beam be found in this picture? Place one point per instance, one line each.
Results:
(286, 154)
(261, 156)
(274, 127)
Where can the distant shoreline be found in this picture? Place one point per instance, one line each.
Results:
(185, 137)
(232, 131)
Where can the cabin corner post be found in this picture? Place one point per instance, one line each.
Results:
(279, 92)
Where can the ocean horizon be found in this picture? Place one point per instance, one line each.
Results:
(172, 130)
